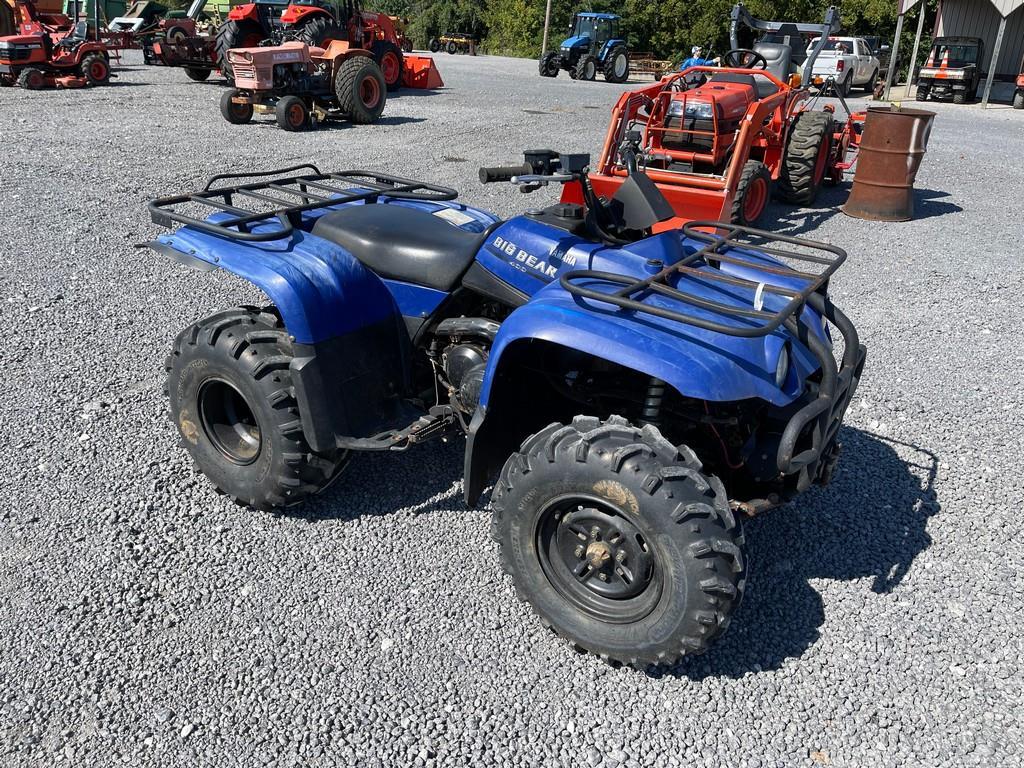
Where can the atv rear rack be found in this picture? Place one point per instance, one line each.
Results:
(736, 247)
(284, 199)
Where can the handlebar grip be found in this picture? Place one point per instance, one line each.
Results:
(504, 172)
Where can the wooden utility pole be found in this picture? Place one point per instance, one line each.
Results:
(547, 23)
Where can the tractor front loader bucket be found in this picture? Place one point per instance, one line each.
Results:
(421, 72)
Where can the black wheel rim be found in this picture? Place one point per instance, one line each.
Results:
(229, 422)
(595, 557)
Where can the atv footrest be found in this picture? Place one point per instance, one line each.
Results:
(438, 421)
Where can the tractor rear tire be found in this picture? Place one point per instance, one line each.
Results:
(548, 66)
(1018, 99)
(232, 399)
(586, 68)
(618, 541)
(616, 65)
(96, 69)
(361, 90)
(235, 34)
(31, 79)
(391, 62)
(805, 161)
(752, 194)
(292, 113)
(199, 75)
(319, 31)
(236, 114)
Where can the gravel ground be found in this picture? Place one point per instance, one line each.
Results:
(145, 620)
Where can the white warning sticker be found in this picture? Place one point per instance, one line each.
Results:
(456, 217)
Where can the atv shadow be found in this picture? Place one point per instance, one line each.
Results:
(870, 522)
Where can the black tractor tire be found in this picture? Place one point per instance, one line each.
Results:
(31, 79)
(452, 48)
(292, 113)
(318, 31)
(235, 34)
(236, 114)
(95, 69)
(197, 74)
(922, 93)
(361, 90)
(869, 86)
(548, 65)
(614, 70)
(586, 68)
(232, 399)
(752, 194)
(641, 505)
(434, 45)
(391, 62)
(1018, 99)
(803, 168)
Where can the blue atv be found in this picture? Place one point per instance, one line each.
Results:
(594, 45)
(630, 395)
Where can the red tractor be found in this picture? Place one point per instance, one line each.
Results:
(718, 141)
(314, 22)
(48, 53)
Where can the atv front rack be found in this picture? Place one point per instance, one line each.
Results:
(738, 246)
(271, 210)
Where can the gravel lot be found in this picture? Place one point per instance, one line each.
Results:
(145, 620)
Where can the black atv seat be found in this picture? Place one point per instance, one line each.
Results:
(402, 243)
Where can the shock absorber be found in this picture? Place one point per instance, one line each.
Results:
(652, 402)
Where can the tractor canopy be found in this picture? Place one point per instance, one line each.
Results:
(591, 28)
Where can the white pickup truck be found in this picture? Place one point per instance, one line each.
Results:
(849, 60)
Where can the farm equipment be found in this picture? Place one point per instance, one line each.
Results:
(303, 86)
(588, 361)
(45, 55)
(401, 26)
(594, 45)
(142, 17)
(646, 65)
(454, 42)
(716, 149)
(953, 70)
(187, 42)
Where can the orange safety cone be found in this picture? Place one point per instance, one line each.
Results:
(421, 72)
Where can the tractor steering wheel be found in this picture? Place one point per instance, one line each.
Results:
(745, 58)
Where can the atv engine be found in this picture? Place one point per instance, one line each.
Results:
(464, 361)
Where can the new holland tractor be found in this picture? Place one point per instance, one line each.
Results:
(629, 396)
(595, 44)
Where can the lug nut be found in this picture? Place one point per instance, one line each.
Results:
(603, 576)
(595, 533)
(579, 551)
(620, 555)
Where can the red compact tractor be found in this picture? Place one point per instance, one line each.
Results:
(303, 85)
(47, 52)
(717, 147)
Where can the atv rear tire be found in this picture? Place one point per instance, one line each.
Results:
(236, 114)
(1018, 99)
(618, 541)
(235, 34)
(752, 194)
(231, 396)
(547, 65)
(199, 75)
(361, 90)
(391, 62)
(292, 113)
(319, 31)
(96, 69)
(586, 68)
(805, 161)
(616, 65)
(31, 79)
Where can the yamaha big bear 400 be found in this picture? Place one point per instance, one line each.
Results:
(615, 382)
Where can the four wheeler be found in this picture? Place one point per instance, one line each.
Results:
(35, 60)
(953, 69)
(303, 86)
(454, 42)
(635, 394)
(594, 45)
(718, 147)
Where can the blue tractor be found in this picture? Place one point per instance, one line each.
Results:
(595, 44)
(628, 396)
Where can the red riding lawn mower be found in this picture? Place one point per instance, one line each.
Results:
(716, 148)
(49, 53)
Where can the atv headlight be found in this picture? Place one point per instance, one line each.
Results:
(693, 110)
(782, 366)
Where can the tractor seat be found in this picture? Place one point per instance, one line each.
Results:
(779, 58)
(402, 243)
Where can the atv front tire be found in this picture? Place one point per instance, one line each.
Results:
(231, 396)
(922, 93)
(361, 90)
(618, 541)
(805, 162)
(616, 65)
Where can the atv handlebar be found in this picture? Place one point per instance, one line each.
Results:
(504, 172)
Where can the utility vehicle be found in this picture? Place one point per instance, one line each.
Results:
(304, 86)
(953, 70)
(719, 140)
(36, 59)
(595, 44)
(630, 395)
